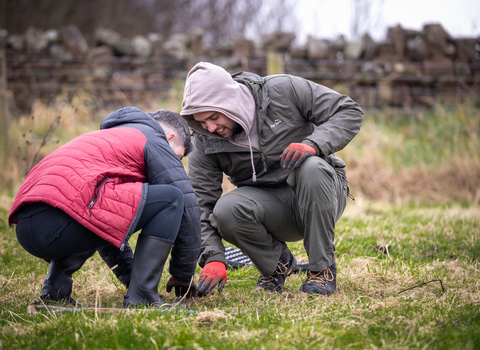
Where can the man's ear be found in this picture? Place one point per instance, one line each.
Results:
(170, 136)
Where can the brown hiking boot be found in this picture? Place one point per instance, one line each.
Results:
(321, 282)
(285, 267)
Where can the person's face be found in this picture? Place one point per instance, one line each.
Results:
(216, 122)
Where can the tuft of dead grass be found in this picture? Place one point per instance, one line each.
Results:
(210, 318)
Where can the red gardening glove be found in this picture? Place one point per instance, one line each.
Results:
(212, 274)
(181, 288)
(295, 154)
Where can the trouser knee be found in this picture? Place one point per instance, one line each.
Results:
(317, 182)
(315, 172)
(175, 195)
(162, 213)
(230, 214)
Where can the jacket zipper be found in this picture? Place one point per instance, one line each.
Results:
(264, 113)
(264, 162)
(264, 159)
(95, 199)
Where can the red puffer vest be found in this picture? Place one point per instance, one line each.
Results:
(96, 179)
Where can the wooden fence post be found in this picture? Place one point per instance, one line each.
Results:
(275, 63)
(4, 117)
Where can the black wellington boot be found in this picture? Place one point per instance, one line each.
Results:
(148, 262)
(58, 283)
(120, 262)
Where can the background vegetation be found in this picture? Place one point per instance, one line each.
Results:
(416, 219)
(139, 17)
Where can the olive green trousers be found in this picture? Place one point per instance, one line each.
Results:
(257, 219)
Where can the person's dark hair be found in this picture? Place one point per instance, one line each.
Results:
(174, 120)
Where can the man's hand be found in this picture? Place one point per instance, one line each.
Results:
(295, 154)
(212, 274)
(181, 288)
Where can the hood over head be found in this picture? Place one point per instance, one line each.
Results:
(211, 88)
(127, 115)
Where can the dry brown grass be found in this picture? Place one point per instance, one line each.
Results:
(430, 157)
(49, 125)
(370, 180)
(459, 180)
(371, 172)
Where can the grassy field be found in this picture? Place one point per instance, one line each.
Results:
(407, 256)
(381, 251)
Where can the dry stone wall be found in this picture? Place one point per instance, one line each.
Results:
(409, 67)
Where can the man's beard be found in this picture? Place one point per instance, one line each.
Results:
(237, 130)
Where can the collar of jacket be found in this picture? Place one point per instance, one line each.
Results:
(256, 85)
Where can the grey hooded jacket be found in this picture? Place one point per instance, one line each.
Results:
(288, 109)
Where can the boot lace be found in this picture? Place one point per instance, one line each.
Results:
(268, 280)
(281, 269)
(265, 280)
(320, 277)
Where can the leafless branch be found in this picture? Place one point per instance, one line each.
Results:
(221, 20)
(420, 285)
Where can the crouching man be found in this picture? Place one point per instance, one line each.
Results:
(275, 138)
(94, 192)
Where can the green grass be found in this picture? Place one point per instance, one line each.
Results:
(381, 251)
(424, 243)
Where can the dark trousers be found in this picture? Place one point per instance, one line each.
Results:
(48, 233)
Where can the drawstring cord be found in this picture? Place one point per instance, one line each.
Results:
(254, 174)
(349, 194)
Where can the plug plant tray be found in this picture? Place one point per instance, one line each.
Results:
(236, 259)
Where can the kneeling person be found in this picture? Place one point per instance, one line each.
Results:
(275, 138)
(94, 192)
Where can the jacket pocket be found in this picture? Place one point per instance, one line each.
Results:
(96, 195)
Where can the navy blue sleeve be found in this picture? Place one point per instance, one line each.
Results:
(162, 166)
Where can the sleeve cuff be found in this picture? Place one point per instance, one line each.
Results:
(215, 258)
(314, 145)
